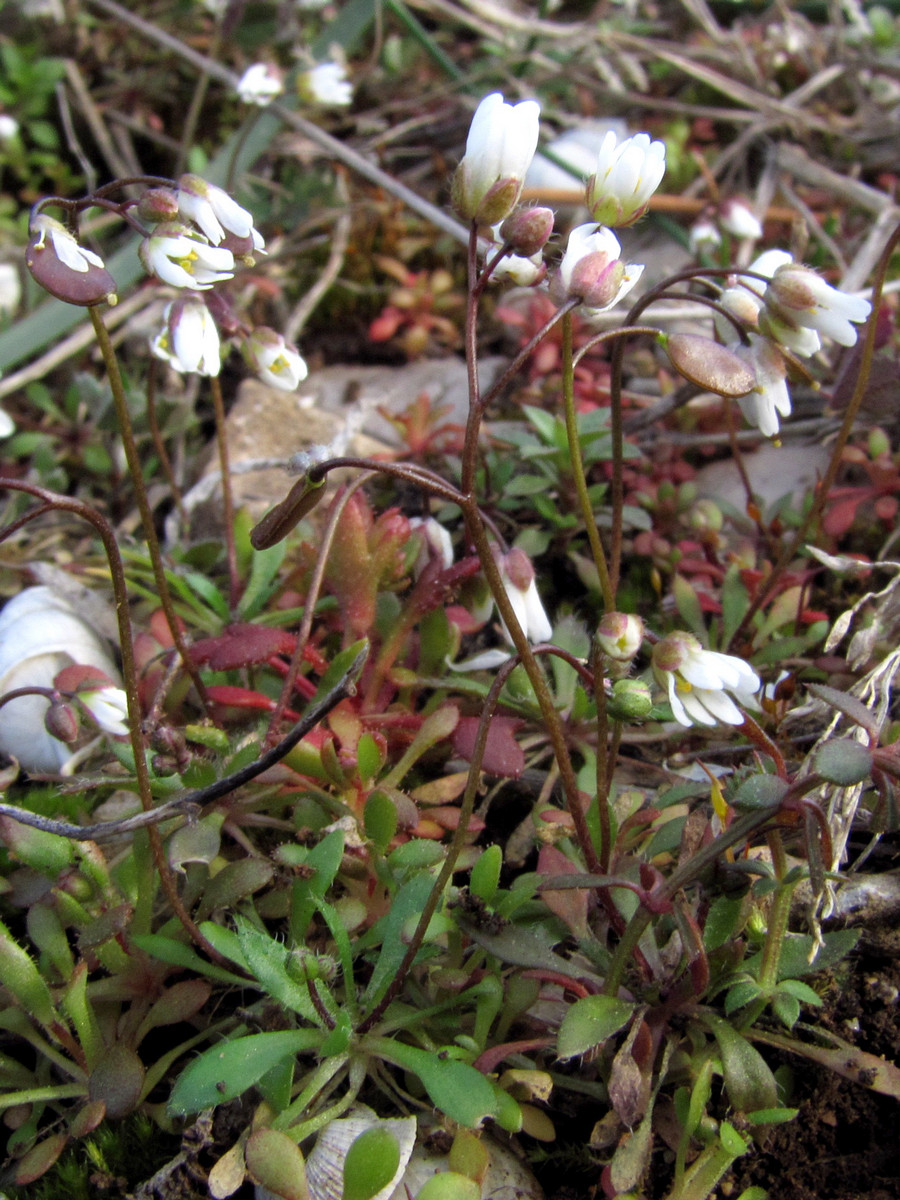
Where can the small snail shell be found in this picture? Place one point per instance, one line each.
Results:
(40, 633)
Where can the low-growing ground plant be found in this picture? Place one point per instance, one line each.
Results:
(266, 885)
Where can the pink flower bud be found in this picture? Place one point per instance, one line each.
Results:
(158, 205)
(61, 722)
(620, 635)
(528, 230)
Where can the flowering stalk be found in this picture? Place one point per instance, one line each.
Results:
(587, 512)
(234, 579)
(133, 459)
(478, 535)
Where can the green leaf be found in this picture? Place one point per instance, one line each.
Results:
(721, 921)
(758, 791)
(179, 955)
(843, 761)
(589, 1022)
(688, 604)
(740, 994)
(264, 567)
(229, 1069)
(485, 877)
(267, 959)
(735, 602)
(370, 1163)
(786, 1009)
(380, 819)
(458, 1090)
(749, 1082)
(797, 948)
(802, 991)
(449, 1185)
(772, 1116)
(731, 1140)
(409, 901)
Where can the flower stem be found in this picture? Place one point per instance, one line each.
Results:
(134, 466)
(234, 579)
(587, 512)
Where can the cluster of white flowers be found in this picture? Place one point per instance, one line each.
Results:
(488, 183)
(789, 309)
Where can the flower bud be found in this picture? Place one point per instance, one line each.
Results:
(499, 149)
(158, 205)
(711, 366)
(706, 517)
(596, 281)
(61, 722)
(592, 271)
(619, 635)
(736, 218)
(528, 230)
(630, 700)
(64, 268)
(627, 175)
(275, 361)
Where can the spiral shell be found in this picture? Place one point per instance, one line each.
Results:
(325, 1164)
(40, 634)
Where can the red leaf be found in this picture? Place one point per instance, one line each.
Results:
(502, 754)
(241, 646)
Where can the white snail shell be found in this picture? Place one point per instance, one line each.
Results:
(325, 1164)
(40, 634)
(507, 1178)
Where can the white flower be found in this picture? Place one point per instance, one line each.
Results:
(518, 269)
(620, 635)
(260, 84)
(327, 83)
(523, 272)
(592, 271)
(737, 218)
(183, 259)
(770, 396)
(214, 211)
(435, 544)
(517, 574)
(499, 149)
(627, 175)
(797, 296)
(697, 680)
(274, 360)
(703, 235)
(189, 339)
(9, 127)
(64, 245)
(109, 708)
(10, 288)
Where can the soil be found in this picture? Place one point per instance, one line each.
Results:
(843, 1145)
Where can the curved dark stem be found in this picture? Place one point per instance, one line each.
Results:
(104, 830)
(123, 418)
(129, 675)
(518, 362)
